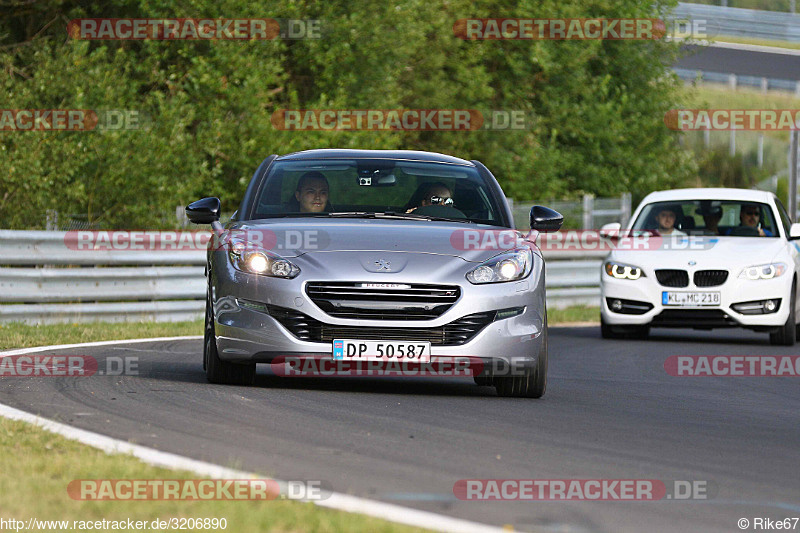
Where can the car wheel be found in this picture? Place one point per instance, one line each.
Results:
(217, 370)
(483, 381)
(787, 334)
(639, 332)
(532, 383)
(607, 331)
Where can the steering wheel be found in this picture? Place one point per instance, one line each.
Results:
(744, 231)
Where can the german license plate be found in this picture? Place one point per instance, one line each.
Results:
(357, 350)
(690, 298)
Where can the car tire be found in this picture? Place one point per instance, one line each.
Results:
(533, 382)
(483, 381)
(639, 332)
(217, 370)
(787, 334)
(607, 331)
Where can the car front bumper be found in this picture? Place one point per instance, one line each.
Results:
(733, 291)
(245, 334)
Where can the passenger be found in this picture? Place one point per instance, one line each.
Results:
(312, 193)
(436, 194)
(711, 211)
(666, 217)
(750, 216)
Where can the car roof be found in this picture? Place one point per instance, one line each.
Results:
(407, 155)
(710, 193)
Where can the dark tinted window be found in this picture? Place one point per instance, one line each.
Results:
(710, 217)
(300, 188)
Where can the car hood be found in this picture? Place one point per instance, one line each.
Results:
(470, 242)
(704, 252)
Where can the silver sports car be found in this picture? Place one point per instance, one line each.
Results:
(379, 258)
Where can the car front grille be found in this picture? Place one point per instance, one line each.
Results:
(672, 278)
(383, 301)
(693, 318)
(310, 329)
(710, 278)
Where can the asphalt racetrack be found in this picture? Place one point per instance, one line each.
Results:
(611, 412)
(742, 62)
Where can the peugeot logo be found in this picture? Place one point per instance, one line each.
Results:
(383, 264)
(692, 263)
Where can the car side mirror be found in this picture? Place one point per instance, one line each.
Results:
(794, 231)
(610, 230)
(545, 220)
(205, 211)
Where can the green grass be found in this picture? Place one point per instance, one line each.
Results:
(742, 98)
(15, 335)
(760, 42)
(575, 313)
(37, 466)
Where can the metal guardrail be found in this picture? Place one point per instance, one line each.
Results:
(43, 280)
(734, 80)
(740, 22)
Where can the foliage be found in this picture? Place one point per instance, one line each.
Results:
(598, 105)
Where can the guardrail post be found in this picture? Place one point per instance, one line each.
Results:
(51, 220)
(760, 155)
(588, 208)
(625, 208)
(794, 140)
(732, 81)
(732, 143)
(764, 85)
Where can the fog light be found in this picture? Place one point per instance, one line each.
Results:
(508, 313)
(770, 306)
(616, 305)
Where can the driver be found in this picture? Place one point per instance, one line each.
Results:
(666, 217)
(312, 192)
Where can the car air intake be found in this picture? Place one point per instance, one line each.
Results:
(710, 278)
(383, 301)
(672, 278)
(310, 329)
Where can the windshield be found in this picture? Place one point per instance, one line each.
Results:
(708, 217)
(370, 187)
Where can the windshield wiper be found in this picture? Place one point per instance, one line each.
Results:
(352, 214)
(415, 216)
(393, 214)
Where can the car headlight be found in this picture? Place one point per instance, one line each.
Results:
(246, 257)
(623, 271)
(508, 266)
(768, 271)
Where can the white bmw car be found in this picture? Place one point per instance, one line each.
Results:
(703, 259)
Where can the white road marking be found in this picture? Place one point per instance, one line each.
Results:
(341, 502)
